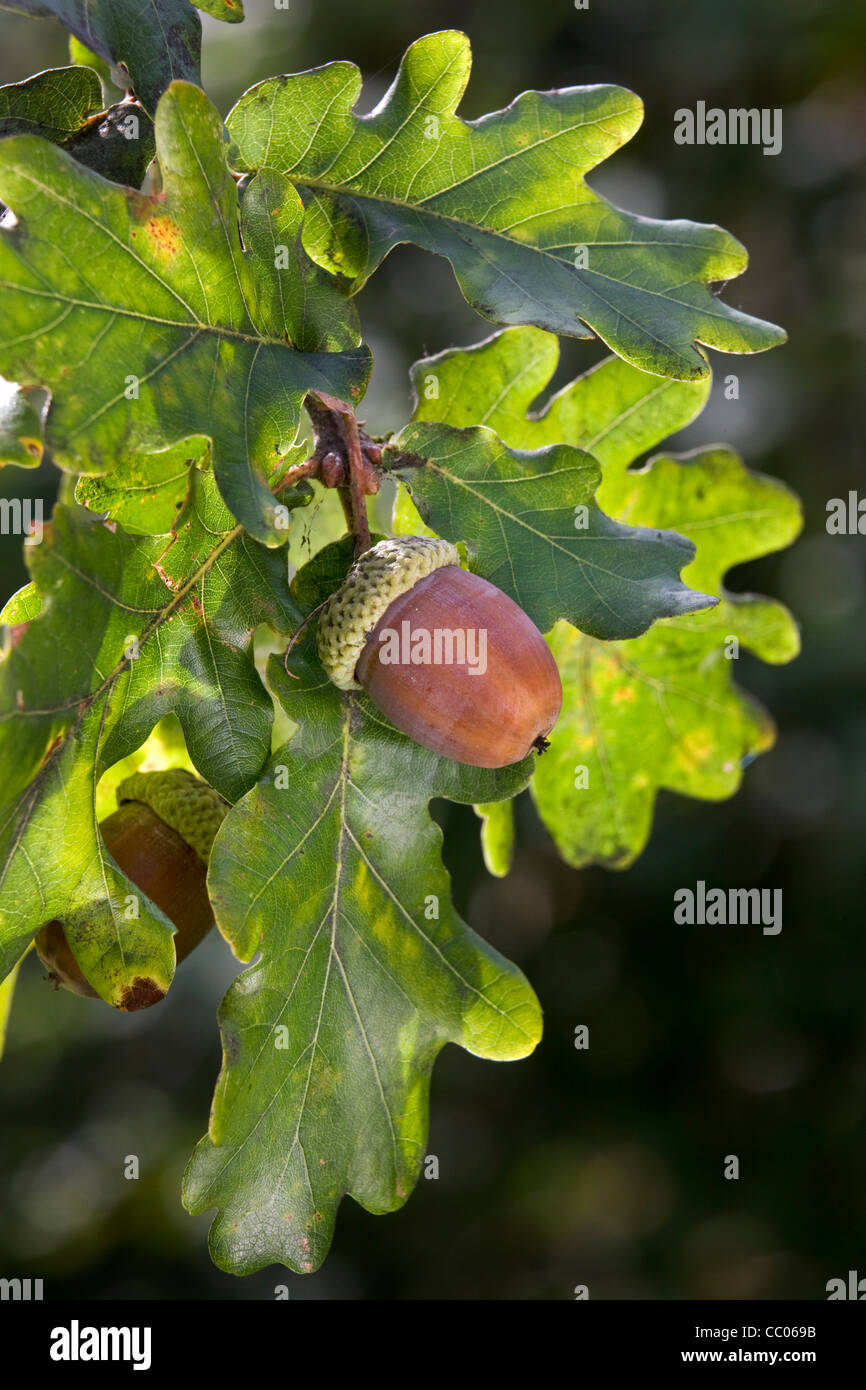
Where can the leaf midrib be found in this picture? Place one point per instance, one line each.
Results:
(346, 190)
(193, 326)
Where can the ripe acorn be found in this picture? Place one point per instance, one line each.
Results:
(450, 659)
(161, 837)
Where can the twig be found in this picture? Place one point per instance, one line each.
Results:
(341, 460)
(345, 496)
(357, 489)
(338, 438)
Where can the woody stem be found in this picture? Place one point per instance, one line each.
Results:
(345, 496)
(357, 494)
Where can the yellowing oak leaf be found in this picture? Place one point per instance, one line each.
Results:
(662, 710)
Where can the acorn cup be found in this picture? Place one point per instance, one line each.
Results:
(161, 837)
(450, 659)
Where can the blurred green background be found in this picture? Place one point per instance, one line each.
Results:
(603, 1167)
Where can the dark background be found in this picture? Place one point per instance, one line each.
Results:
(602, 1167)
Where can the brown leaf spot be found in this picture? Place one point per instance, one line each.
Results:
(140, 994)
(163, 234)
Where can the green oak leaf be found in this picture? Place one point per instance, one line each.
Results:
(172, 320)
(144, 493)
(53, 865)
(55, 103)
(531, 526)
(161, 625)
(497, 836)
(331, 869)
(65, 105)
(503, 198)
(661, 711)
(156, 41)
(231, 11)
(613, 411)
(20, 428)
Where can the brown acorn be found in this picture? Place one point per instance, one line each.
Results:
(450, 659)
(160, 836)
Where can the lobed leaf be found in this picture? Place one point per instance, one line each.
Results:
(144, 494)
(331, 868)
(161, 624)
(531, 526)
(66, 106)
(156, 41)
(504, 199)
(661, 711)
(664, 712)
(613, 412)
(54, 104)
(172, 320)
(497, 836)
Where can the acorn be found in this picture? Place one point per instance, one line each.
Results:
(450, 659)
(161, 837)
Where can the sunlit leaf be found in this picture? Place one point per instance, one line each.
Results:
(161, 624)
(532, 527)
(660, 711)
(171, 320)
(504, 199)
(331, 868)
(156, 41)
(65, 105)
